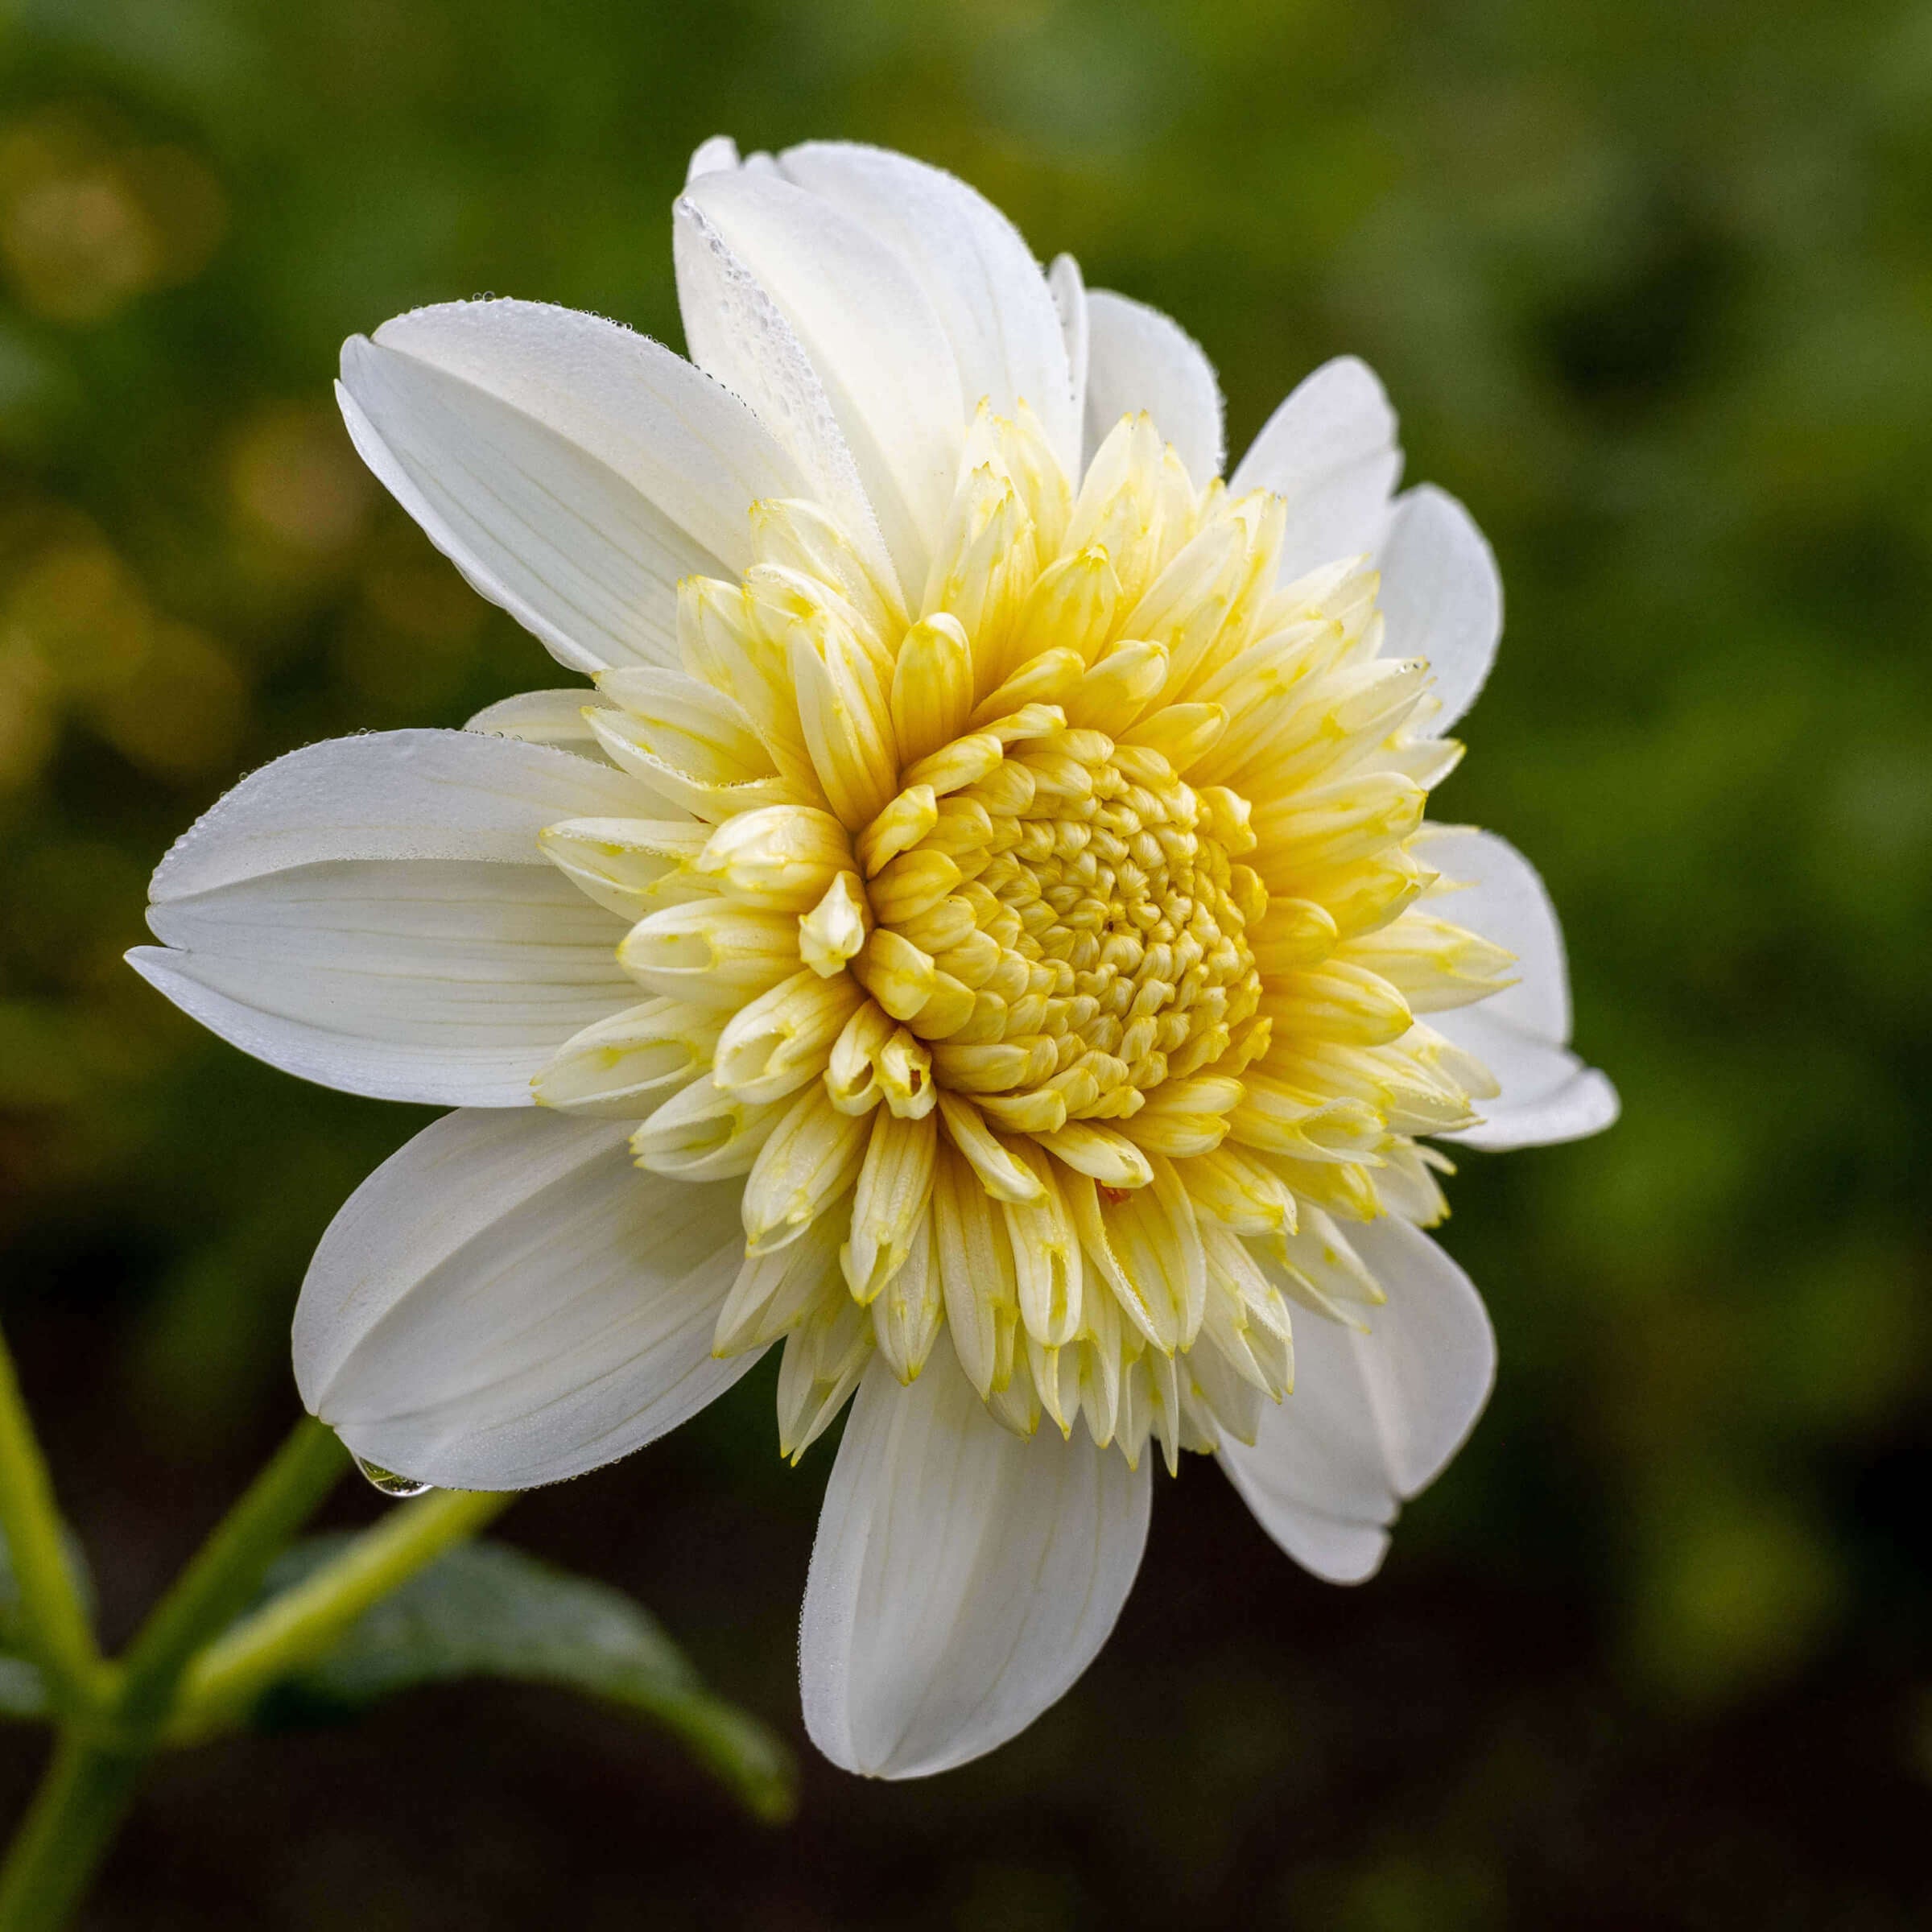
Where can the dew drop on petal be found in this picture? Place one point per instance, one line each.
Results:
(386, 1482)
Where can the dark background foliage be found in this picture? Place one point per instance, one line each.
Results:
(1652, 283)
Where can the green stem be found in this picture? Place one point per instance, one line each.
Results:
(303, 1623)
(182, 1678)
(227, 1572)
(57, 1631)
(103, 1750)
(66, 1832)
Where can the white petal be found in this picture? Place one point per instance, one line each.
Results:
(546, 717)
(1500, 895)
(1138, 358)
(962, 1577)
(1548, 1094)
(572, 471)
(735, 332)
(443, 980)
(720, 153)
(1522, 1034)
(1373, 1418)
(976, 269)
(690, 448)
(509, 1301)
(373, 913)
(1069, 291)
(1441, 596)
(1330, 449)
(873, 339)
(393, 795)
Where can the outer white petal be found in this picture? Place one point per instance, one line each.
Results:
(735, 332)
(1523, 1034)
(1441, 595)
(563, 498)
(1330, 449)
(976, 269)
(1549, 1094)
(509, 1301)
(441, 981)
(962, 1579)
(393, 795)
(1373, 1418)
(1069, 290)
(546, 717)
(690, 448)
(1138, 358)
(1497, 893)
(373, 913)
(718, 154)
(873, 336)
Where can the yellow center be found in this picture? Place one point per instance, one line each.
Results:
(1085, 927)
(1039, 943)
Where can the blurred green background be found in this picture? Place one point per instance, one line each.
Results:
(1652, 284)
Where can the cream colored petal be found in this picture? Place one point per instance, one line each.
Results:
(781, 858)
(890, 1208)
(974, 1257)
(621, 1068)
(812, 1157)
(688, 446)
(1045, 1252)
(774, 1293)
(773, 1046)
(630, 866)
(440, 980)
(1069, 292)
(711, 953)
(824, 1356)
(1522, 1034)
(848, 727)
(908, 1310)
(931, 686)
(1441, 597)
(834, 930)
(705, 1133)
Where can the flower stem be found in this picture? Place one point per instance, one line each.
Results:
(188, 1671)
(215, 1588)
(57, 1633)
(66, 1832)
(105, 1743)
(303, 1622)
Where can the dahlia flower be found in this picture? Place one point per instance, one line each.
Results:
(976, 932)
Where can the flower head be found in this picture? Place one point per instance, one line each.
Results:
(986, 892)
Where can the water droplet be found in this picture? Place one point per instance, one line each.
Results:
(387, 1482)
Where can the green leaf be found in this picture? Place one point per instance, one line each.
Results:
(488, 1610)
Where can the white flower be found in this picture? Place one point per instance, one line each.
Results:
(1015, 835)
